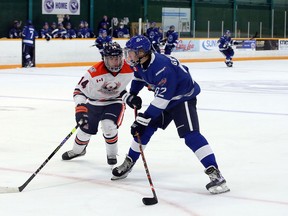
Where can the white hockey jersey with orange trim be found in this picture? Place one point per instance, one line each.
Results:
(101, 87)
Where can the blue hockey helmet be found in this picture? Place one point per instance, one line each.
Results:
(140, 46)
(103, 32)
(139, 43)
(28, 22)
(227, 32)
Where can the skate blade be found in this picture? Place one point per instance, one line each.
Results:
(113, 178)
(218, 189)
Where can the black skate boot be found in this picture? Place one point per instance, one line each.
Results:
(123, 170)
(71, 154)
(229, 63)
(111, 159)
(218, 183)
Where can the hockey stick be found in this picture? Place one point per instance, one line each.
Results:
(146, 200)
(21, 188)
(241, 42)
(254, 36)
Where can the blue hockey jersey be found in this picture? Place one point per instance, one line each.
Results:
(225, 42)
(29, 34)
(170, 80)
(172, 37)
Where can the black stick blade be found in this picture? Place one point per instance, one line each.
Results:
(149, 201)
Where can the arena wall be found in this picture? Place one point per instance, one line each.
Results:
(81, 52)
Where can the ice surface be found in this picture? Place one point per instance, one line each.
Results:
(243, 113)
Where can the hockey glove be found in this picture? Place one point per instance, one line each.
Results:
(139, 125)
(132, 100)
(81, 114)
(47, 37)
(170, 45)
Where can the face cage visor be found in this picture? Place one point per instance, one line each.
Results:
(114, 63)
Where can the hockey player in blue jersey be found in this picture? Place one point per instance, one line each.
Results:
(103, 38)
(175, 100)
(28, 39)
(70, 33)
(121, 31)
(16, 31)
(154, 36)
(84, 31)
(225, 47)
(171, 40)
(59, 32)
(45, 32)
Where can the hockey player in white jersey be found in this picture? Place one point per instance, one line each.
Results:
(175, 100)
(97, 99)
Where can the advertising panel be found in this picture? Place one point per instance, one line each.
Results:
(71, 7)
(247, 45)
(283, 44)
(209, 45)
(263, 44)
(186, 45)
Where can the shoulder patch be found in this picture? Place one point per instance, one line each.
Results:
(98, 69)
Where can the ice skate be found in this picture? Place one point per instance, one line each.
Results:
(218, 183)
(229, 63)
(71, 154)
(29, 64)
(123, 170)
(111, 159)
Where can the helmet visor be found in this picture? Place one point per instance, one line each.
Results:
(131, 57)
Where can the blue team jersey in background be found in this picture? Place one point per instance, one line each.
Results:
(29, 34)
(172, 37)
(224, 42)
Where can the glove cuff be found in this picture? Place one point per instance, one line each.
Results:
(142, 120)
(124, 96)
(81, 108)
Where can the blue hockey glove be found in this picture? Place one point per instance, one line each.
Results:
(81, 114)
(132, 100)
(139, 125)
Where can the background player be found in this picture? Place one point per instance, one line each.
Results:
(28, 38)
(154, 36)
(225, 47)
(102, 39)
(175, 99)
(171, 39)
(97, 99)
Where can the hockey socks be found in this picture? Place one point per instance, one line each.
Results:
(199, 145)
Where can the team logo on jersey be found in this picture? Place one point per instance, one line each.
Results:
(73, 6)
(48, 5)
(110, 88)
(162, 82)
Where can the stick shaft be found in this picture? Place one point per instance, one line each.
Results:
(144, 161)
(46, 161)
